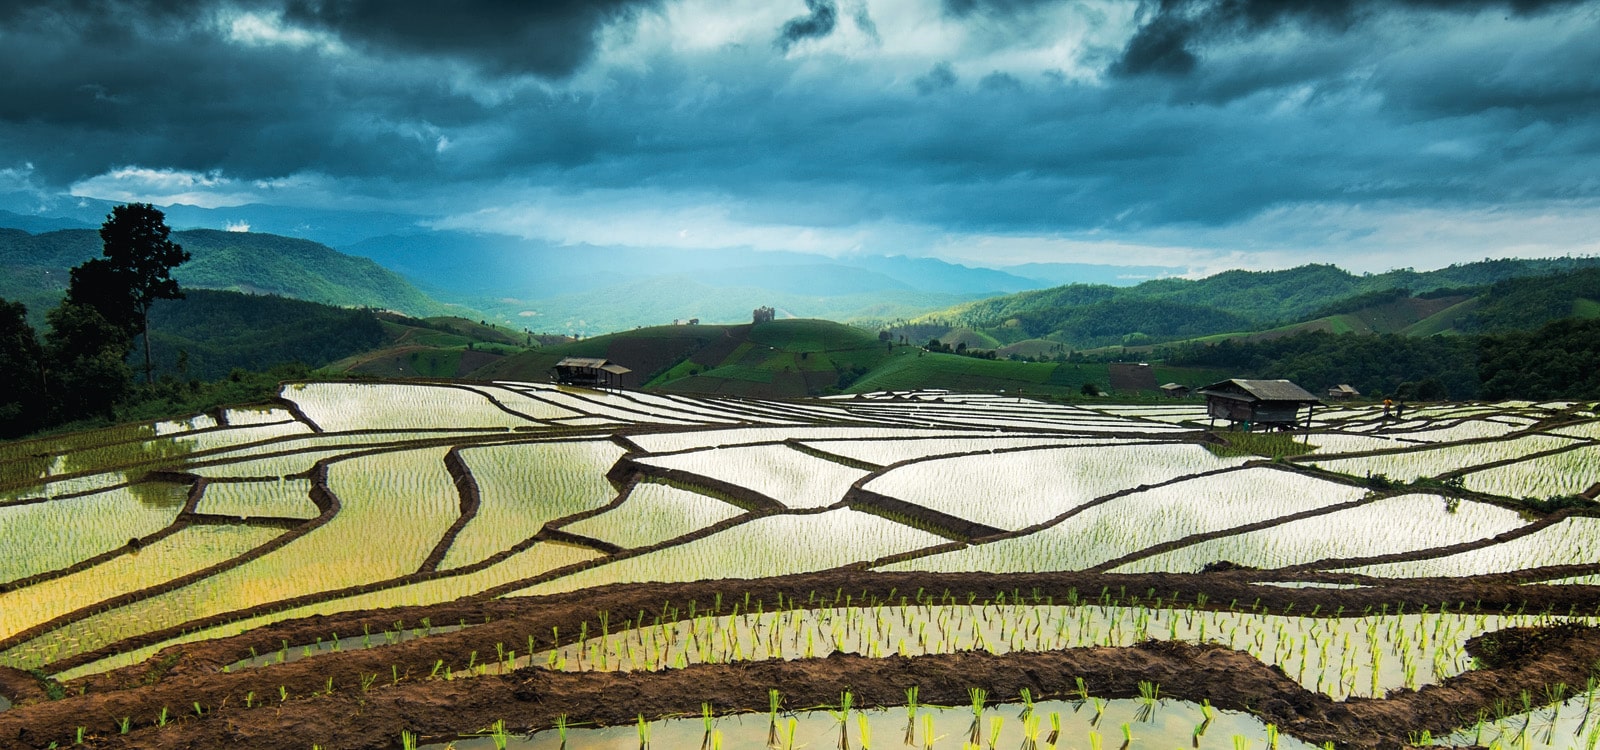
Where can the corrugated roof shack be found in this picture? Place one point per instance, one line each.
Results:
(590, 371)
(1271, 403)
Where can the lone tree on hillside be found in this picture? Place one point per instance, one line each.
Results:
(135, 272)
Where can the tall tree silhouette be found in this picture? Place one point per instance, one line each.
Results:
(136, 270)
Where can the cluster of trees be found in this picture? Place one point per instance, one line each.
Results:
(934, 345)
(80, 369)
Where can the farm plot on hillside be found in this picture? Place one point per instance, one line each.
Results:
(995, 536)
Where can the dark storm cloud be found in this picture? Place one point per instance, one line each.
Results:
(1459, 111)
(548, 37)
(863, 19)
(1168, 41)
(818, 23)
(171, 92)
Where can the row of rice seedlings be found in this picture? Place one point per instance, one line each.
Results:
(1566, 473)
(1091, 722)
(1554, 717)
(284, 498)
(1076, 425)
(768, 546)
(1470, 429)
(538, 559)
(342, 441)
(408, 495)
(654, 513)
(603, 405)
(333, 643)
(385, 406)
(795, 479)
(885, 452)
(46, 536)
(248, 415)
(1028, 487)
(188, 424)
(1427, 462)
(62, 488)
(1330, 443)
(1572, 541)
(184, 552)
(524, 486)
(521, 403)
(156, 451)
(1143, 519)
(693, 409)
(1364, 655)
(1388, 526)
(672, 442)
(1586, 431)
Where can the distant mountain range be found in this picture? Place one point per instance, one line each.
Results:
(35, 268)
(1486, 296)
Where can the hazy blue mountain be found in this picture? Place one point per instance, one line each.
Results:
(35, 269)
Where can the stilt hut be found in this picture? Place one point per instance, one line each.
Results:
(1252, 403)
(591, 372)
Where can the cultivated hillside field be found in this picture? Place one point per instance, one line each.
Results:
(513, 564)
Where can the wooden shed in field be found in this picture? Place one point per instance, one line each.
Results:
(590, 371)
(1175, 390)
(1342, 391)
(1252, 403)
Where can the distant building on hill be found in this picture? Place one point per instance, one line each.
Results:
(763, 315)
(1342, 392)
(1253, 403)
(1130, 377)
(1175, 390)
(591, 372)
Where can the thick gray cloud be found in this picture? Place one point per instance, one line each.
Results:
(1199, 113)
(1168, 42)
(818, 22)
(548, 37)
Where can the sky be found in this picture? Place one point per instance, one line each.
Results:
(1202, 134)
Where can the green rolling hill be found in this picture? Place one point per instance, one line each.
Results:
(35, 270)
(797, 358)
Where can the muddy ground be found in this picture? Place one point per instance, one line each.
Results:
(367, 707)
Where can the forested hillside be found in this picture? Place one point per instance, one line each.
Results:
(1476, 297)
(35, 269)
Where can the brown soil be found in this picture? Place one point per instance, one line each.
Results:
(350, 717)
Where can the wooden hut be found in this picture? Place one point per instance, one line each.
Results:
(592, 372)
(1342, 392)
(1270, 403)
(1175, 390)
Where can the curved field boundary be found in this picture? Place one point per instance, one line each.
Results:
(467, 488)
(1432, 552)
(627, 468)
(1192, 539)
(937, 520)
(179, 523)
(916, 516)
(815, 452)
(1509, 461)
(325, 501)
(294, 408)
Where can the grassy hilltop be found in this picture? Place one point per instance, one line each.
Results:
(796, 358)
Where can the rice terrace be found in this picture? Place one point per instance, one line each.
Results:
(385, 564)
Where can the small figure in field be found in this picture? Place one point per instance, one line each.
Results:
(1387, 404)
(1400, 410)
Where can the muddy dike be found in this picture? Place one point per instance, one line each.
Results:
(364, 698)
